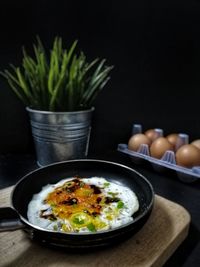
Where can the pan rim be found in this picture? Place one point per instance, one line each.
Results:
(149, 207)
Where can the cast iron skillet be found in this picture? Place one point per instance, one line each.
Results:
(33, 182)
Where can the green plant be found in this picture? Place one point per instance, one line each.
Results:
(59, 81)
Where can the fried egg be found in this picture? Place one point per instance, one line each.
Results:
(77, 205)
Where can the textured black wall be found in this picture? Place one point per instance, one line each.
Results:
(154, 45)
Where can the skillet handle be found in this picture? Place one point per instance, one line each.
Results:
(9, 220)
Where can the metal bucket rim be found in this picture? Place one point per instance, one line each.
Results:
(59, 112)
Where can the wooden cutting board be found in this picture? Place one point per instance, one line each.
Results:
(164, 231)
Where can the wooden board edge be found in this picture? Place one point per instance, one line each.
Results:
(168, 252)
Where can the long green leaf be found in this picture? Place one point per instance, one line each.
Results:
(23, 83)
(18, 93)
(95, 82)
(63, 80)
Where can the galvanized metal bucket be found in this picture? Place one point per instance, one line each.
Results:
(60, 136)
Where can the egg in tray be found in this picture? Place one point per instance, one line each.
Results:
(172, 152)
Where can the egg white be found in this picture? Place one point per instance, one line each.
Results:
(118, 217)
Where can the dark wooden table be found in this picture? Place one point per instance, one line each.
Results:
(14, 167)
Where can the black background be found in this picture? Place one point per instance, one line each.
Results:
(154, 46)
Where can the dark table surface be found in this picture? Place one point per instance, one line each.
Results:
(14, 167)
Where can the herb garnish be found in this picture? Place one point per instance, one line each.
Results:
(91, 227)
(120, 204)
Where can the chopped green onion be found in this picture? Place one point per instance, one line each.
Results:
(113, 194)
(120, 205)
(91, 227)
(78, 220)
(55, 227)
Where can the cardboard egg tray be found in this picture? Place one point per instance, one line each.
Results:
(168, 161)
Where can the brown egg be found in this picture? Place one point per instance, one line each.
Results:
(177, 140)
(153, 134)
(173, 138)
(196, 143)
(188, 156)
(136, 140)
(159, 147)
